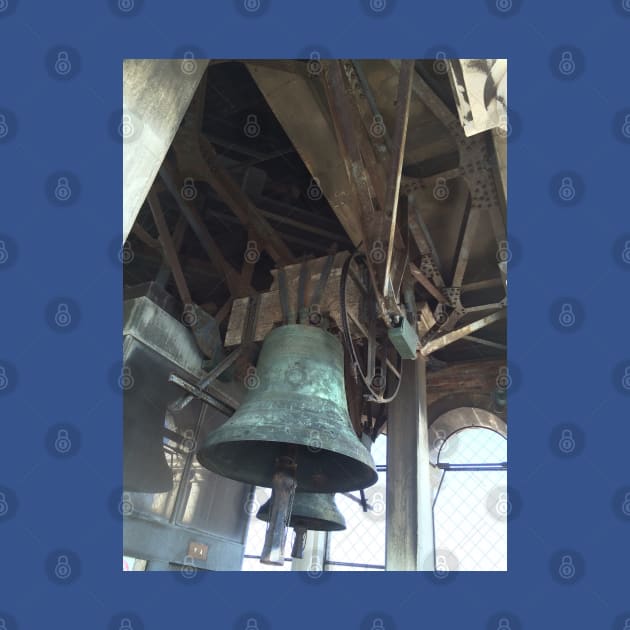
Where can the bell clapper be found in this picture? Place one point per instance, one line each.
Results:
(299, 543)
(283, 492)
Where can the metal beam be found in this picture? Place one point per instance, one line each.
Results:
(486, 342)
(427, 284)
(410, 184)
(473, 154)
(462, 332)
(478, 285)
(409, 540)
(464, 246)
(289, 89)
(345, 130)
(485, 307)
(420, 234)
(281, 218)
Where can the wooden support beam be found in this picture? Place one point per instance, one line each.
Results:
(460, 333)
(170, 252)
(174, 183)
(249, 215)
(164, 272)
(289, 238)
(145, 237)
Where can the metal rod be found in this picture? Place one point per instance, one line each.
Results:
(301, 298)
(355, 564)
(284, 297)
(473, 467)
(393, 181)
(364, 504)
(486, 342)
(218, 399)
(183, 401)
(323, 279)
(369, 96)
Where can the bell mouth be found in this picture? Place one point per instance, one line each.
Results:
(312, 512)
(318, 524)
(322, 471)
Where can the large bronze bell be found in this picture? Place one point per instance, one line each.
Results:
(297, 412)
(317, 512)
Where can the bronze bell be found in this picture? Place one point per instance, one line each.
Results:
(310, 511)
(317, 512)
(297, 413)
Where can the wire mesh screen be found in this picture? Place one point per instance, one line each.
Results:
(361, 546)
(471, 508)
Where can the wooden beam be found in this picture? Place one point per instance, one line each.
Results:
(249, 215)
(174, 183)
(145, 237)
(164, 272)
(170, 252)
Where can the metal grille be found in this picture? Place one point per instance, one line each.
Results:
(363, 542)
(471, 507)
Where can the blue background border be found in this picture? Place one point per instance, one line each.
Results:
(563, 378)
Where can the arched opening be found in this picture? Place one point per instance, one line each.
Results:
(471, 506)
